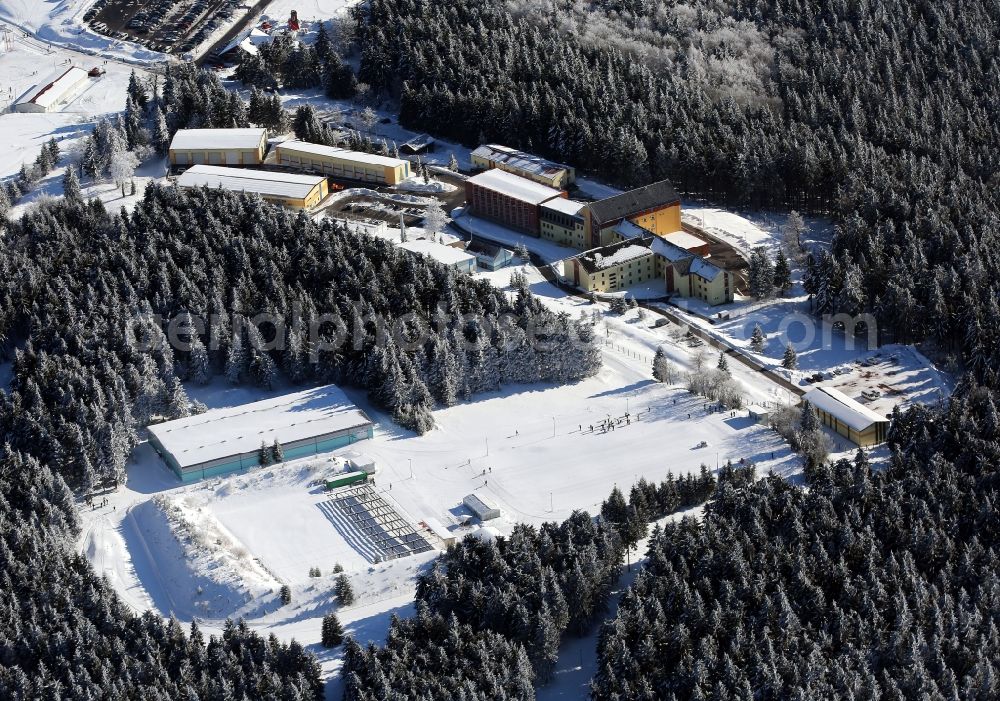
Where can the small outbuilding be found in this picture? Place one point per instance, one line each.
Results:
(448, 255)
(849, 418)
(443, 534)
(53, 93)
(482, 507)
(489, 255)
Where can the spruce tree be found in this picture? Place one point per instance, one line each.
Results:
(343, 590)
(790, 361)
(723, 364)
(71, 185)
(782, 273)
(332, 633)
(757, 339)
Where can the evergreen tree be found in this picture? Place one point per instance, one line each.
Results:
(285, 595)
(343, 590)
(790, 360)
(782, 273)
(71, 185)
(723, 365)
(332, 633)
(757, 339)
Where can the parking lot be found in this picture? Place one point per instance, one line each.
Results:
(163, 25)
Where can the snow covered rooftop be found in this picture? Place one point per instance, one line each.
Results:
(263, 182)
(335, 152)
(222, 433)
(622, 255)
(564, 205)
(684, 240)
(514, 186)
(615, 254)
(703, 269)
(51, 90)
(217, 139)
(438, 251)
(527, 162)
(847, 410)
(630, 230)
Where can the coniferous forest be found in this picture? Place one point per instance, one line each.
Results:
(882, 113)
(870, 584)
(81, 288)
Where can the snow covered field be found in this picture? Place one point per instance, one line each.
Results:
(60, 23)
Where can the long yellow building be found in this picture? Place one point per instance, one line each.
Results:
(847, 417)
(286, 189)
(342, 163)
(229, 147)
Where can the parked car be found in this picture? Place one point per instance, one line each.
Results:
(871, 394)
(703, 444)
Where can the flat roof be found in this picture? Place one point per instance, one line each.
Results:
(52, 89)
(217, 139)
(221, 433)
(522, 160)
(685, 240)
(448, 255)
(336, 152)
(263, 182)
(565, 205)
(836, 403)
(514, 186)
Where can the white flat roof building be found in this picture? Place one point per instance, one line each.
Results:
(286, 187)
(336, 152)
(53, 92)
(685, 240)
(217, 139)
(514, 186)
(227, 440)
(455, 257)
(565, 205)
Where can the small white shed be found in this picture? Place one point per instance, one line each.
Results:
(482, 506)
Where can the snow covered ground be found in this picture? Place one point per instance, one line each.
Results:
(530, 448)
(60, 23)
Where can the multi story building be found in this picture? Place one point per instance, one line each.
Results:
(285, 189)
(508, 199)
(687, 274)
(549, 173)
(614, 267)
(342, 163)
(230, 147)
(655, 207)
(561, 221)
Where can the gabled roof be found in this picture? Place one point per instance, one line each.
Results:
(484, 248)
(684, 261)
(438, 251)
(526, 162)
(634, 201)
(839, 405)
(55, 87)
